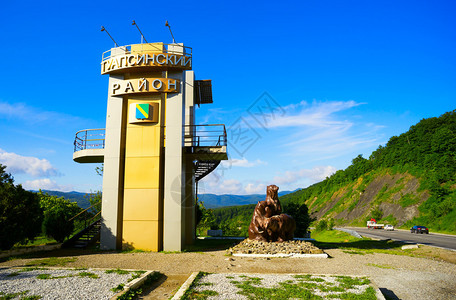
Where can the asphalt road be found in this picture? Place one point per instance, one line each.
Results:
(437, 240)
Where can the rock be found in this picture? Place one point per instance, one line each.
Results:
(405, 247)
(290, 247)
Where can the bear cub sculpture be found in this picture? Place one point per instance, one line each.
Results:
(268, 223)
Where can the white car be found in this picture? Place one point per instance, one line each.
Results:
(389, 227)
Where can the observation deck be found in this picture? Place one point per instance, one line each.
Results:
(89, 146)
(204, 144)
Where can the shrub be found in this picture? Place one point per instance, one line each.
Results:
(57, 213)
(377, 213)
(331, 224)
(322, 225)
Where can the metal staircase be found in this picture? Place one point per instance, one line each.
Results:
(205, 167)
(206, 145)
(91, 227)
(86, 237)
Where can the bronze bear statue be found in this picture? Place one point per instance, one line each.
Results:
(268, 224)
(280, 228)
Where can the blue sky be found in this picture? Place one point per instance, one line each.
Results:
(312, 84)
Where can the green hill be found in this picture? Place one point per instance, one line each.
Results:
(410, 180)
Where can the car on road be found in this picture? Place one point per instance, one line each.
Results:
(388, 227)
(419, 229)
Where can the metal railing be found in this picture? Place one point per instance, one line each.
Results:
(211, 135)
(164, 48)
(82, 221)
(89, 139)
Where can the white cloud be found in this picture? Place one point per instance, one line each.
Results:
(17, 164)
(255, 188)
(317, 114)
(320, 132)
(313, 175)
(46, 184)
(217, 185)
(32, 114)
(243, 162)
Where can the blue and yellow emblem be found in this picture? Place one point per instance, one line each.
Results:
(142, 111)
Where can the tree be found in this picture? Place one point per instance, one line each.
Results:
(57, 214)
(20, 212)
(205, 218)
(95, 202)
(300, 213)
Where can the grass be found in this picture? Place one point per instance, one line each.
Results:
(88, 274)
(304, 287)
(136, 274)
(51, 261)
(350, 282)
(200, 246)
(191, 293)
(309, 277)
(28, 269)
(131, 294)
(134, 251)
(353, 252)
(118, 288)
(206, 245)
(80, 274)
(333, 236)
(21, 295)
(335, 239)
(381, 266)
(135, 293)
(301, 287)
(117, 271)
(43, 276)
(367, 295)
(210, 245)
(38, 241)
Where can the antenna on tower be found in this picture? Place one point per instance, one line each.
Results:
(142, 36)
(104, 29)
(167, 25)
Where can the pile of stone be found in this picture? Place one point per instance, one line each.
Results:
(248, 246)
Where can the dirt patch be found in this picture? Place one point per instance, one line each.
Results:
(436, 253)
(164, 288)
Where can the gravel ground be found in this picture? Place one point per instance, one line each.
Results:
(224, 284)
(69, 284)
(398, 276)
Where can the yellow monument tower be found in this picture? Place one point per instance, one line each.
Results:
(152, 150)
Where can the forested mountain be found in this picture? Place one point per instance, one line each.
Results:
(82, 199)
(214, 201)
(410, 180)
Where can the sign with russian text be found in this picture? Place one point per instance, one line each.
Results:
(144, 85)
(158, 60)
